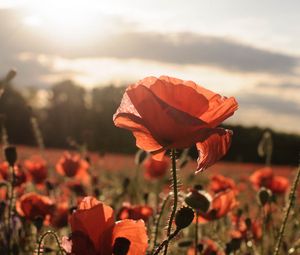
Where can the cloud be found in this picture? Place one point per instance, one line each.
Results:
(271, 104)
(172, 48)
(189, 48)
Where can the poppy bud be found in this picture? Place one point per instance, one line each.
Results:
(121, 246)
(264, 196)
(10, 75)
(185, 243)
(248, 223)
(140, 156)
(200, 247)
(11, 155)
(2, 208)
(198, 201)
(184, 217)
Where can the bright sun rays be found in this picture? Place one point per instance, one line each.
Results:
(68, 20)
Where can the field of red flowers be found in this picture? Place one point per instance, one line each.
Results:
(82, 203)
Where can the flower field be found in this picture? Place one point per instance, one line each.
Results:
(83, 203)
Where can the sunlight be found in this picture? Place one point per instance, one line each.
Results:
(68, 20)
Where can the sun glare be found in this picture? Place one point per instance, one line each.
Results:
(68, 19)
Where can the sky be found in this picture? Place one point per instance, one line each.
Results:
(247, 49)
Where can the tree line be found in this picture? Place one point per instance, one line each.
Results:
(74, 115)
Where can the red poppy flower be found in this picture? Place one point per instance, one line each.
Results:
(20, 176)
(166, 113)
(156, 169)
(222, 203)
(60, 215)
(94, 231)
(265, 178)
(72, 165)
(37, 169)
(32, 205)
(135, 212)
(220, 183)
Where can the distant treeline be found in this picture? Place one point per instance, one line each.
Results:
(74, 114)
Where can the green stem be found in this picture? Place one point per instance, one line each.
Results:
(158, 221)
(10, 207)
(42, 239)
(166, 242)
(288, 209)
(174, 179)
(263, 229)
(196, 232)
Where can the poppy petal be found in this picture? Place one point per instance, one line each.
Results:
(166, 123)
(95, 221)
(224, 202)
(213, 148)
(135, 232)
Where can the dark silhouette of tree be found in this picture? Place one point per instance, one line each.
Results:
(107, 137)
(66, 115)
(15, 116)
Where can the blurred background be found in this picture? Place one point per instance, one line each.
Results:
(75, 58)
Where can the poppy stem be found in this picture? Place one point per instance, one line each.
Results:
(158, 221)
(196, 232)
(10, 207)
(175, 195)
(49, 232)
(166, 241)
(287, 211)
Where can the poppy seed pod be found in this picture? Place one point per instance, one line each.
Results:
(121, 246)
(10, 155)
(184, 217)
(198, 200)
(264, 196)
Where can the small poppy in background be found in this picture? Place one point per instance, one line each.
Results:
(168, 113)
(60, 215)
(220, 183)
(221, 204)
(135, 212)
(20, 176)
(37, 169)
(94, 231)
(32, 206)
(206, 247)
(265, 177)
(156, 169)
(72, 166)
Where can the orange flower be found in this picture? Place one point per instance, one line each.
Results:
(166, 113)
(220, 183)
(72, 165)
(221, 204)
(32, 205)
(37, 169)
(94, 231)
(135, 212)
(265, 178)
(156, 169)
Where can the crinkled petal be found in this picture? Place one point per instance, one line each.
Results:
(135, 232)
(166, 123)
(214, 147)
